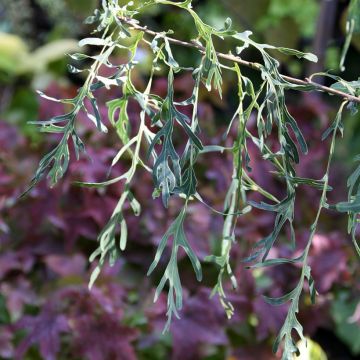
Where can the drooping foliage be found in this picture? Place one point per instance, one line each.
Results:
(151, 148)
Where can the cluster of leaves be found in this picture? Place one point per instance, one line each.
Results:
(175, 174)
(46, 238)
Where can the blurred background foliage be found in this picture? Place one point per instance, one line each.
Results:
(46, 311)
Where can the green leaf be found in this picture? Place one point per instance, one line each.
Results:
(123, 234)
(352, 206)
(109, 247)
(93, 42)
(313, 293)
(135, 205)
(48, 97)
(291, 323)
(99, 123)
(343, 309)
(282, 299)
(189, 183)
(99, 185)
(348, 87)
(299, 54)
(78, 56)
(278, 261)
(121, 123)
(285, 213)
(171, 274)
(74, 70)
(170, 61)
(349, 206)
(211, 70)
(165, 177)
(317, 184)
(184, 4)
(94, 275)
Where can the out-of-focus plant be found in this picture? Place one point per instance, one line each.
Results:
(352, 27)
(277, 138)
(16, 59)
(346, 317)
(55, 19)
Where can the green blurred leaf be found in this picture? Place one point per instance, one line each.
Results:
(81, 7)
(13, 53)
(38, 60)
(342, 308)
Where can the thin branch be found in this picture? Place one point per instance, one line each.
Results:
(252, 65)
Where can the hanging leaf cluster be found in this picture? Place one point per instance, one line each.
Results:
(175, 174)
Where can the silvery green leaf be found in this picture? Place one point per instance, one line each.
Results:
(78, 56)
(48, 97)
(74, 70)
(297, 53)
(171, 274)
(94, 42)
(99, 124)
